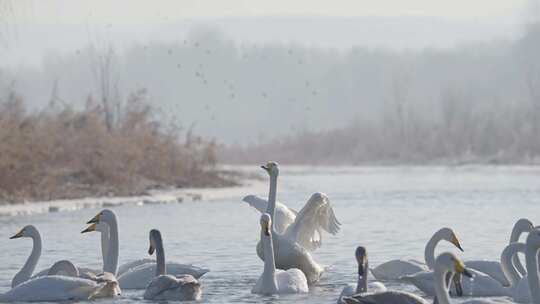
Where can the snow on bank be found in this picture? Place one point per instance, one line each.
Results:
(155, 197)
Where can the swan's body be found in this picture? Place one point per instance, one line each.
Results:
(62, 267)
(59, 288)
(288, 254)
(137, 274)
(306, 226)
(167, 287)
(362, 285)
(395, 269)
(273, 281)
(446, 263)
(494, 268)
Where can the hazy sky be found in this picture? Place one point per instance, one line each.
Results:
(132, 11)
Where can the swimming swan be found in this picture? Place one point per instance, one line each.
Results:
(306, 226)
(395, 269)
(483, 285)
(165, 286)
(275, 281)
(362, 285)
(287, 253)
(26, 271)
(131, 280)
(494, 268)
(445, 264)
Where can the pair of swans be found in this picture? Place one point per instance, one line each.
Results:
(136, 274)
(52, 286)
(289, 250)
(489, 275)
(448, 264)
(164, 286)
(276, 281)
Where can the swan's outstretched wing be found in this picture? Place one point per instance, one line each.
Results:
(315, 216)
(283, 216)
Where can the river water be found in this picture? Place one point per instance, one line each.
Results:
(392, 211)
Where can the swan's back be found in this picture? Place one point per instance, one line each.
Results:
(139, 277)
(53, 288)
(291, 281)
(168, 287)
(491, 268)
(394, 269)
(387, 297)
(133, 264)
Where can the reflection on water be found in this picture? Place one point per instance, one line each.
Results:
(391, 210)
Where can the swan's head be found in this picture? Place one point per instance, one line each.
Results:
(105, 216)
(272, 168)
(155, 239)
(449, 235)
(451, 263)
(533, 239)
(27, 231)
(523, 225)
(266, 223)
(361, 258)
(99, 227)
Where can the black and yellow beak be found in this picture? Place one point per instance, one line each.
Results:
(265, 168)
(456, 243)
(460, 268)
(151, 249)
(17, 235)
(95, 219)
(267, 230)
(90, 228)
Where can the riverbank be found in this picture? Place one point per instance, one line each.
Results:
(169, 196)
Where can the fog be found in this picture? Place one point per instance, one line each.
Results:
(249, 79)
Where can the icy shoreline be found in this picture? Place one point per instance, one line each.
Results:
(154, 197)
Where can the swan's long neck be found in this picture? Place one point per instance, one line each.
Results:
(269, 282)
(514, 237)
(30, 265)
(507, 265)
(160, 258)
(361, 285)
(531, 259)
(105, 238)
(429, 251)
(272, 193)
(111, 263)
(441, 290)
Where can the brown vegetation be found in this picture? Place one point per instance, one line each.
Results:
(62, 152)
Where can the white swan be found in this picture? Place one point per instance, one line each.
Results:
(306, 226)
(138, 277)
(445, 264)
(167, 287)
(395, 269)
(60, 288)
(483, 284)
(272, 280)
(26, 271)
(493, 268)
(132, 280)
(287, 254)
(362, 284)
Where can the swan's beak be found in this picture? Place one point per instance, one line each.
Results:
(456, 243)
(95, 219)
(90, 228)
(151, 250)
(17, 235)
(265, 168)
(267, 230)
(460, 268)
